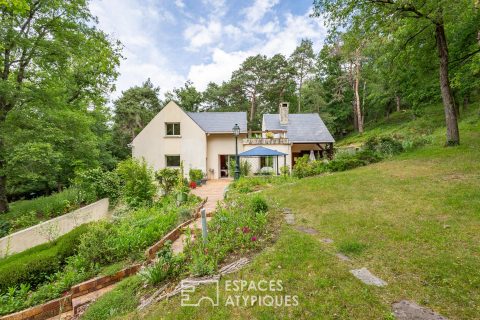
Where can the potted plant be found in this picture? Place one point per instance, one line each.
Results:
(193, 184)
(196, 175)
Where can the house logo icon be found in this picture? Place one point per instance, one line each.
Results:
(189, 287)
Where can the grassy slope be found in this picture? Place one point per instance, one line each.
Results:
(413, 220)
(403, 123)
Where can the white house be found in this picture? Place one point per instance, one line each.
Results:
(204, 140)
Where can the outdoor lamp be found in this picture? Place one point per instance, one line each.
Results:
(236, 130)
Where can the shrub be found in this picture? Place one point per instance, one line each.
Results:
(384, 145)
(257, 204)
(303, 167)
(25, 213)
(138, 188)
(285, 170)
(5, 227)
(202, 264)
(94, 246)
(245, 168)
(167, 266)
(13, 299)
(195, 174)
(34, 265)
(238, 226)
(127, 237)
(168, 179)
(94, 184)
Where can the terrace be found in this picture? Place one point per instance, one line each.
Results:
(266, 137)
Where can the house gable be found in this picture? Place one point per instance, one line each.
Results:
(154, 145)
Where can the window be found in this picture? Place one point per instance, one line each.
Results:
(173, 129)
(172, 161)
(266, 161)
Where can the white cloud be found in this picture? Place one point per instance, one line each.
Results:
(180, 4)
(200, 35)
(282, 40)
(255, 13)
(221, 67)
(134, 25)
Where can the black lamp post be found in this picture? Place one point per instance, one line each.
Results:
(236, 133)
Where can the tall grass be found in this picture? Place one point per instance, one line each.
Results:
(26, 213)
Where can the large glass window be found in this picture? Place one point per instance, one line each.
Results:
(172, 161)
(173, 129)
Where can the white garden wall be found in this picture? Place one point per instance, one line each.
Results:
(52, 229)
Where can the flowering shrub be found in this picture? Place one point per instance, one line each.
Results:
(238, 227)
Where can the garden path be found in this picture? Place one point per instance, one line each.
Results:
(213, 191)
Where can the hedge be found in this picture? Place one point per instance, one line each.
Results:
(34, 265)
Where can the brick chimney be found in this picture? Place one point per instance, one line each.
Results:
(283, 113)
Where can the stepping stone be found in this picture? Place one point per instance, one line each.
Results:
(290, 218)
(407, 310)
(326, 240)
(343, 257)
(366, 277)
(306, 230)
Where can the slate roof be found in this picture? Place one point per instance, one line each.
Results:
(301, 127)
(219, 122)
(261, 152)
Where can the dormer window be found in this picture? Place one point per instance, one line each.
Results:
(172, 128)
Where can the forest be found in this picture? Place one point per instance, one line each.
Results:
(57, 70)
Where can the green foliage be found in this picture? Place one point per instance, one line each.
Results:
(240, 226)
(5, 227)
(258, 204)
(195, 174)
(187, 97)
(25, 213)
(245, 168)
(33, 167)
(13, 299)
(167, 265)
(111, 242)
(36, 264)
(56, 73)
(119, 301)
(384, 145)
(94, 184)
(133, 111)
(168, 178)
(137, 181)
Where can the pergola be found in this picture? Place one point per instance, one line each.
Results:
(258, 152)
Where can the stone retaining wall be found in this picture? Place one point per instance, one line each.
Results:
(52, 229)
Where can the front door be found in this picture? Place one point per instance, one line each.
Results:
(225, 159)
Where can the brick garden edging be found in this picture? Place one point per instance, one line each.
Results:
(64, 304)
(43, 311)
(172, 235)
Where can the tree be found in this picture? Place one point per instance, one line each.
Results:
(302, 60)
(188, 97)
(393, 17)
(52, 53)
(133, 111)
(251, 77)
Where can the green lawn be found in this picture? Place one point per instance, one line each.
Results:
(414, 221)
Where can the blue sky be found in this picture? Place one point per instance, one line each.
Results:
(171, 41)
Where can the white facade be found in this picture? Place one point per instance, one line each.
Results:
(210, 151)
